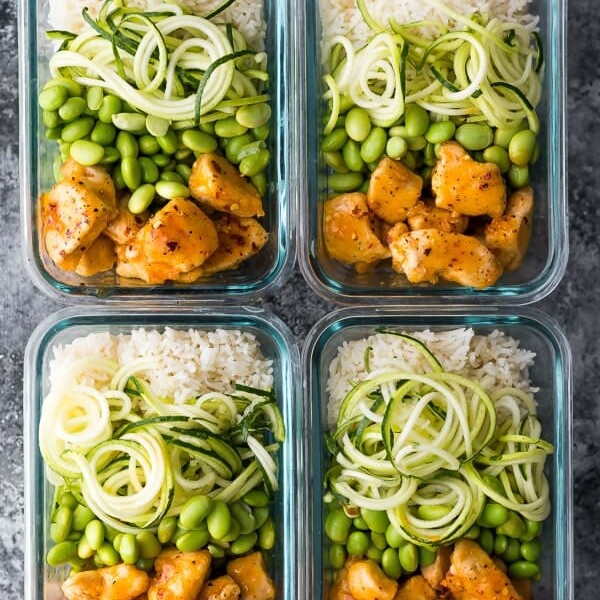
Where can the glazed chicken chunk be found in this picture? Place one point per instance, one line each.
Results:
(125, 226)
(176, 240)
(473, 575)
(508, 236)
(367, 581)
(179, 575)
(350, 231)
(427, 255)
(415, 588)
(217, 183)
(250, 573)
(466, 186)
(122, 582)
(434, 573)
(426, 215)
(393, 189)
(99, 257)
(340, 590)
(221, 588)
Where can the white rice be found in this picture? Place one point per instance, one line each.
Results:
(342, 17)
(495, 360)
(245, 15)
(186, 364)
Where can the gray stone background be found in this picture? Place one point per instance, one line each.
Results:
(575, 304)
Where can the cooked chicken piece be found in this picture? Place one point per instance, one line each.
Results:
(415, 588)
(474, 576)
(176, 240)
(426, 215)
(99, 257)
(368, 582)
(250, 573)
(349, 231)
(179, 575)
(125, 226)
(435, 572)
(340, 590)
(508, 236)
(523, 588)
(466, 186)
(216, 182)
(221, 588)
(95, 179)
(393, 188)
(428, 254)
(122, 582)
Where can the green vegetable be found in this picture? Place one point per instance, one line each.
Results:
(61, 553)
(72, 108)
(531, 550)
(244, 543)
(337, 526)
(390, 563)
(77, 130)
(409, 558)
(426, 556)
(127, 145)
(219, 520)
(357, 544)
(393, 537)
(374, 553)
(360, 523)
(235, 146)
(345, 182)
(396, 147)
(474, 136)
(94, 534)
(498, 156)
(253, 115)
(500, 544)
(334, 141)
(172, 189)
(169, 142)
(53, 98)
(266, 535)
(377, 521)
(198, 141)
(133, 122)
(171, 176)
(84, 550)
(141, 199)
(166, 529)
(149, 170)
(513, 551)
(111, 105)
(195, 511)
(374, 146)
(131, 171)
(486, 540)
(521, 147)
(103, 133)
(523, 569)
(82, 515)
(416, 120)
(148, 544)
(352, 157)
(440, 132)
(86, 153)
(253, 165)
(358, 125)
(335, 160)
(228, 128)
(129, 549)
(337, 556)
(108, 555)
(94, 98)
(244, 517)
(493, 515)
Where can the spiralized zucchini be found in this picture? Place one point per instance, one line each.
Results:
(404, 440)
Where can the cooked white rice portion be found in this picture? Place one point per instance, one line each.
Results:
(342, 17)
(495, 360)
(185, 364)
(245, 15)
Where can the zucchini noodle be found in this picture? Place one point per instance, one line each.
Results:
(404, 440)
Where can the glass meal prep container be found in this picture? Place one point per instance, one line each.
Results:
(546, 259)
(255, 275)
(551, 373)
(276, 342)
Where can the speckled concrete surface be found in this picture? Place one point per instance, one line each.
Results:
(574, 304)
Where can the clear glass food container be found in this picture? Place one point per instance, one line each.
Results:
(551, 374)
(277, 343)
(256, 275)
(546, 259)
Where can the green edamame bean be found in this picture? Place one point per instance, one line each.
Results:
(440, 132)
(53, 98)
(63, 519)
(234, 147)
(94, 534)
(261, 133)
(59, 534)
(103, 133)
(219, 520)
(377, 520)
(94, 97)
(390, 563)
(110, 106)
(337, 556)
(184, 171)
(244, 543)
(149, 170)
(502, 136)
(429, 155)
(132, 122)
(232, 535)
(426, 556)
(260, 183)
(72, 109)
(251, 149)
(141, 199)
(261, 514)
(65, 151)
(148, 145)
(473, 533)
(127, 145)
(148, 544)
(500, 544)
(493, 515)
(374, 553)
(486, 540)
(253, 115)
(76, 565)
(513, 550)
(374, 146)
(253, 165)
(379, 540)
(337, 526)
(335, 160)
(198, 141)
(531, 550)
(61, 553)
(409, 558)
(334, 141)
(399, 131)
(352, 158)
(171, 176)
(521, 147)
(432, 513)
(117, 541)
(393, 537)
(358, 124)
(169, 143)
(474, 136)
(495, 484)
(416, 144)
(229, 127)
(513, 526)
(107, 555)
(244, 517)
(132, 173)
(110, 533)
(498, 156)
(145, 564)
(216, 551)
(396, 147)
(117, 176)
(50, 118)
(345, 182)
(172, 189)
(84, 550)
(523, 569)
(166, 529)
(416, 120)
(77, 130)
(357, 544)
(72, 87)
(67, 499)
(129, 549)
(82, 515)
(86, 153)
(532, 530)
(360, 523)
(266, 535)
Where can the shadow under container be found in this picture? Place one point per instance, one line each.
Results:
(546, 260)
(276, 343)
(254, 277)
(551, 373)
